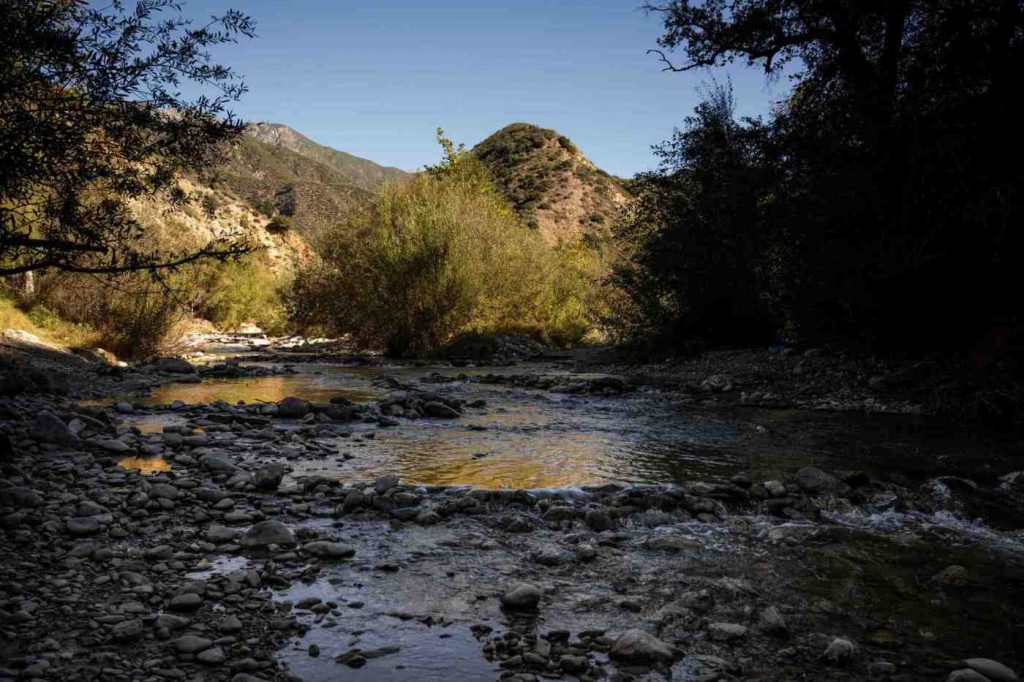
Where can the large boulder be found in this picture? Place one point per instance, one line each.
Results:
(638, 646)
(266, 533)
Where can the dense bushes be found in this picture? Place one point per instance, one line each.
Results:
(438, 256)
(242, 291)
(878, 206)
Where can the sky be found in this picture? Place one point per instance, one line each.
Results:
(376, 78)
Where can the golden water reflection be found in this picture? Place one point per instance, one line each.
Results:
(146, 465)
(257, 389)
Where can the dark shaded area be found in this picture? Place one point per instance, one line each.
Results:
(879, 207)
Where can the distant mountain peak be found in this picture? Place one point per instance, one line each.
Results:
(361, 172)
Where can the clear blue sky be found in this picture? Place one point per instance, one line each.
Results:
(376, 77)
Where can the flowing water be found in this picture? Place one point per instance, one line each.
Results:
(867, 571)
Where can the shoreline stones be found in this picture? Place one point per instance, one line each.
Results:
(639, 646)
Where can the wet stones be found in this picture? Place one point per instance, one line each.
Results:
(20, 496)
(266, 533)
(639, 646)
(955, 576)
(966, 675)
(522, 597)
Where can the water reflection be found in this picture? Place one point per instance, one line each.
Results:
(261, 389)
(145, 465)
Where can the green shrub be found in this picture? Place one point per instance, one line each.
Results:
(279, 224)
(210, 205)
(439, 256)
(242, 291)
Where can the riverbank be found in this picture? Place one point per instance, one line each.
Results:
(207, 548)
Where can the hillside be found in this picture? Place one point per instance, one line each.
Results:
(552, 185)
(279, 182)
(362, 173)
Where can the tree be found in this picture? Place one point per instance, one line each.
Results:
(895, 194)
(92, 116)
(694, 236)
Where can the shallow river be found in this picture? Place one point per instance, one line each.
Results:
(867, 572)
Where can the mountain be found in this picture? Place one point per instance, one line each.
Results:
(551, 184)
(359, 172)
(277, 181)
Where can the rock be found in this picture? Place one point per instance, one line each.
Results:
(385, 483)
(325, 549)
(599, 520)
(190, 601)
(212, 656)
(164, 491)
(173, 366)
(523, 596)
(952, 575)
(439, 410)
(292, 408)
(993, 670)
(775, 488)
(128, 630)
(191, 644)
(82, 525)
(772, 622)
(966, 675)
(270, 532)
(229, 624)
(638, 646)
(839, 651)
(723, 632)
(169, 621)
(221, 534)
(551, 555)
(881, 669)
(268, 476)
(20, 496)
(816, 481)
(49, 428)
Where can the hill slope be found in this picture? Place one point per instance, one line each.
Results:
(362, 173)
(278, 181)
(551, 184)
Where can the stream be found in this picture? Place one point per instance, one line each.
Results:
(874, 569)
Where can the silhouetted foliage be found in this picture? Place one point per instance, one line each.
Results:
(91, 115)
(881, 203)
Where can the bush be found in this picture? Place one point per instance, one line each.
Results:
(132, 315)
(279, 224)
(242, 291)
(436, 257)
(210, 205)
